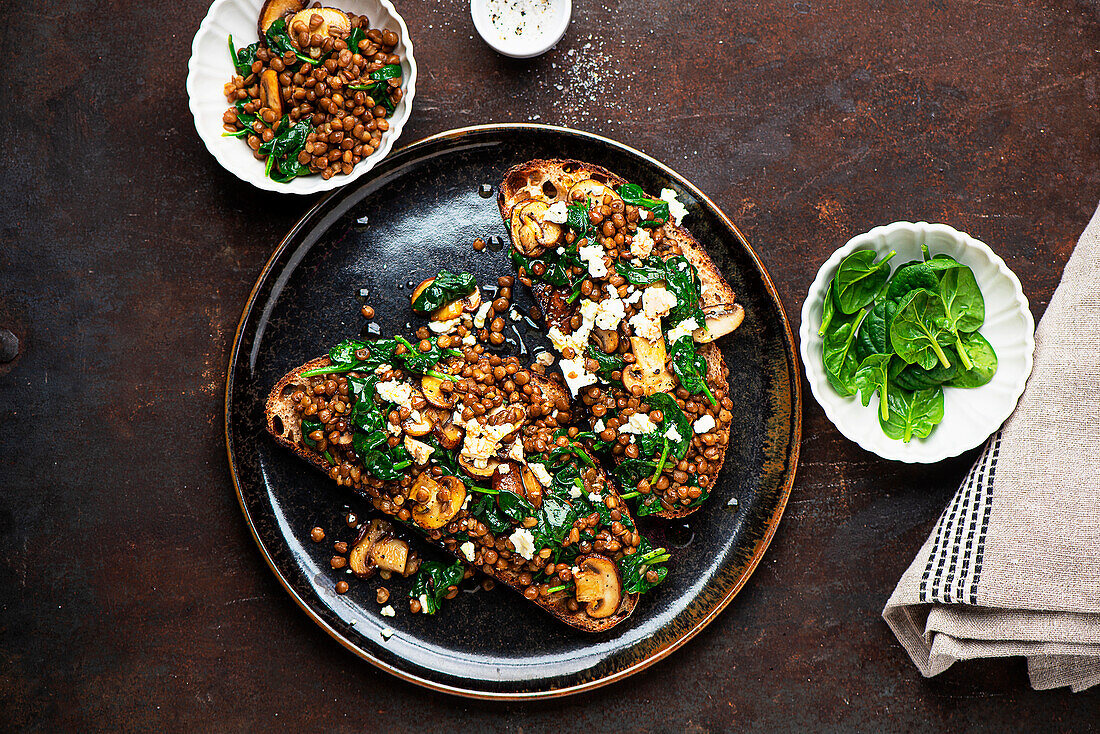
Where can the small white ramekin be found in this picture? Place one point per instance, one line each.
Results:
(521, 48)
(210, 68)
(970, 415)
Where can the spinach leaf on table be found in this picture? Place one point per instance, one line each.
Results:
(983, 358)
(432, 581)
(859, 279)
(444, 288)
(838, 353)
(873, 376)
(912, 413)
(919, 328)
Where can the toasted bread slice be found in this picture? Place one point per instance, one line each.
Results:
(285, 425)
(550, 180)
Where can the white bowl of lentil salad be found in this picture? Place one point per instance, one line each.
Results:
(308, 151)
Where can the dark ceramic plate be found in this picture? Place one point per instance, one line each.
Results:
(418, 211)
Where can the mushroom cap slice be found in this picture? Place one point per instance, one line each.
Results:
(390, 554)
(598, 585)
(334, 23)
(472, 302)
(437, 512)
(449, 435)
(512, 481)
(648, 371)
(269, 92)
(432, 389)
(590, 187)
(421, 427)
(531, 233)
(607, 339)
(477, 471)
(272, 10)
(358, 556)
(721, 320)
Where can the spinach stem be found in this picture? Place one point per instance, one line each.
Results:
(661, 463)
(629, 495)
(963, 356)
(556, 589)
(884, 404)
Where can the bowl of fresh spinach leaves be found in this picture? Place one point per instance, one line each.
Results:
(917, 340)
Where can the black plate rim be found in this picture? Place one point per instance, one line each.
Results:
(687, 635)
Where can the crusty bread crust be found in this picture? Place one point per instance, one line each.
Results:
(551, 179)
(285, 425)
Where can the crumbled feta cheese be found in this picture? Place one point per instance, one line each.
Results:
(704, 424)
(574, 492)
(560, 250)
(639, 423)
(592, 255)
(576, 376)
(682, 329)
(595, 497)
(382, 369)
(557, 213)
(444, 327)
(645, 326)
(544, 358)
(423, 599)
(481, 441)
(600, 426)
(515, 451)
(641, 244)
(675, 208)
(469, 340)
(466, 502)
(658, 301)
(387, 611)
(467, 549)
(633, 298)
(611, 313)
(479, 317)
(503, 468)
(523, 542)
(672, 434)
(456, 416)
(388, 632)
(419, 451)
(395, 392)
(513, 314)
(539, 470)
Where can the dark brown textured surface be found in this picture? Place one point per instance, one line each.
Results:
(132, 595)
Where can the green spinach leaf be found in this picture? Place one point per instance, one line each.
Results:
(874, 336)
(444, 288)
(278, 39)
(690, 368)
(909, 278)
(964, 306)
(432, 582)
(633, 568)
(243, 58)
(828, 308)
(871, 377)
(859, 279)
(634, 195)
(608, 363)
(983, 360)
(912, 413)
(919, 328)
(839, 356)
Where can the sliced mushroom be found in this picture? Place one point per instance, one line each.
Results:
(420, 289)
(721, 320)
(420, 451)
(472, 302)
(269, 92)
(532, 487)
(273, 10)
(531, 233)
(445, 498)
(448, 311)
(590, 187)
(513, 481)
(598, 585)
(648, 371)
(417, 424)
(359, 555)
(334, 23)
(449, 435)
(477, 471)
(432, 389)
(390, 554)
(608, 339)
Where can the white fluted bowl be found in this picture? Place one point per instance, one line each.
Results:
(210, 68)
(970, 415)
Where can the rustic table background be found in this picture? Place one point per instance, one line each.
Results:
(132, 595)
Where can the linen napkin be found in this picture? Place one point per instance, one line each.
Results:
(1013, 565)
